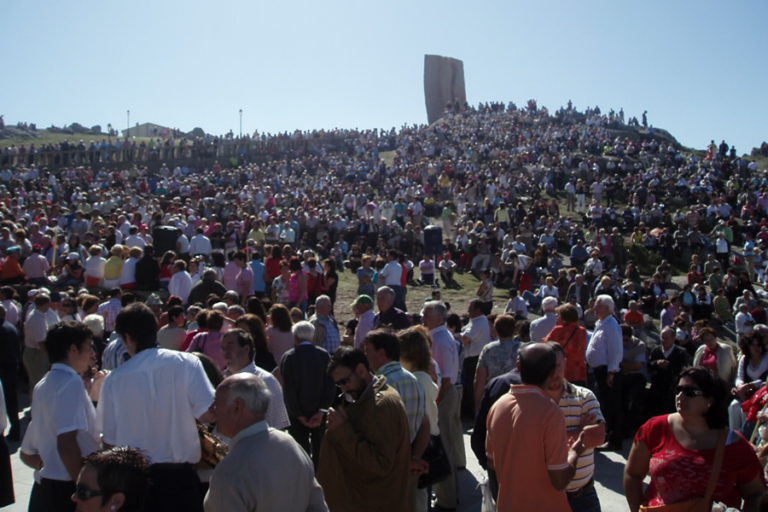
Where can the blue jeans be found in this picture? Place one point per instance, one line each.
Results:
(586, 501)
(534, 301)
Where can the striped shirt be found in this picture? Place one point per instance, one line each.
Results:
(411, 393)
(575, 403)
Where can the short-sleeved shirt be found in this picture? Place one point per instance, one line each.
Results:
(526, 439)
(276, 415)
(60, 404)
(499, 357)
(576, 402)
(479, 331)
(36, 327)
(445, 351)
(156, 391)
(411, 392)
(680, 474)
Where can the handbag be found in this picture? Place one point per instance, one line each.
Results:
(212, 450)
(439, 465)
(703, 504)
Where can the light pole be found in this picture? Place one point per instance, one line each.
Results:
(127, 122)
(241, 123)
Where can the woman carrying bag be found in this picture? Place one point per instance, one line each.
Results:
(692, 457)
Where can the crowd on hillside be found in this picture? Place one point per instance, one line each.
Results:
(591, 223)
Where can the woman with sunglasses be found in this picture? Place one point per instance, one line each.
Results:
(113, 480)
(679, 451)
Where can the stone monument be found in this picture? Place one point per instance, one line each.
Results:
(443, 84)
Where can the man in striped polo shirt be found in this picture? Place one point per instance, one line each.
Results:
(582, 412)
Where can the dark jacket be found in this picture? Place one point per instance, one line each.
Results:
(10, 345)
(393, 319)
(307, 387)
(147, 273)
(203, 289)
(493, 391)
(583, 294)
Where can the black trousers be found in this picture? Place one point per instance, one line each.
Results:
(6, 475)
(52, 496)
(174, 488)
(467, 381)
(308, 438)
(9, 376)
(610, 403)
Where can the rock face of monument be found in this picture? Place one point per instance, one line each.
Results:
(443, 84)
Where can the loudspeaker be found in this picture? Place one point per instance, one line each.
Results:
(164, 239)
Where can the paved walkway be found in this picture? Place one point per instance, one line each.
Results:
(608, 481)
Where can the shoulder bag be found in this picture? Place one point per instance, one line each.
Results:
(439, 465)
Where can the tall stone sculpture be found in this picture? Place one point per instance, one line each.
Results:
(443, 85)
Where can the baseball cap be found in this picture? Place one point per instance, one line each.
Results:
(362, 299)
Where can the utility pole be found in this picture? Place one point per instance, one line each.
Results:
(127, 122)
(241, 123)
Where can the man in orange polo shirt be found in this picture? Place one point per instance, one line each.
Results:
(527, 443)
(11, 271)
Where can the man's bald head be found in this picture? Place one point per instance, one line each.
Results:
(536, 363)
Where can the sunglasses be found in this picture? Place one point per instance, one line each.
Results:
(689, 391)
(83, 493)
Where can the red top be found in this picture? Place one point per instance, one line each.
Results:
(573, 339)
(709, 360)
(680, 474)
(273, 268)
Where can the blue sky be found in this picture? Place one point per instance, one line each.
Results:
(698, 67)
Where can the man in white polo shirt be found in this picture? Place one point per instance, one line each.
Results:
(151, 403)
(63, 428)
(239, 349)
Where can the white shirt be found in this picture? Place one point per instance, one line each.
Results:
(606, 347)
(135, 241)
(364, 326)
(542, 326)
(182, 244)
(151, 402)
(11, 312)
(741, 322)
(180, 285)
(60, 404)
(392, 273)
(445, 352)
(479, 330)
(276, 416)
(200, 244)
(37, 325)
(517, 306)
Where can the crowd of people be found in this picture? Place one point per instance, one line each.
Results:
(197, 307)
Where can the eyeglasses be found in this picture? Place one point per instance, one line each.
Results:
(83, 493)
(689, 391)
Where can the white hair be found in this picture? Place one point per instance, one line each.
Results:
(303, 330)
(436, 306)
(251, 390)
(323, 298)
(548, 304)
(386, 289)
(605, 300)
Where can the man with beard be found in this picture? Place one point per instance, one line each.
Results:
(365, 454)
